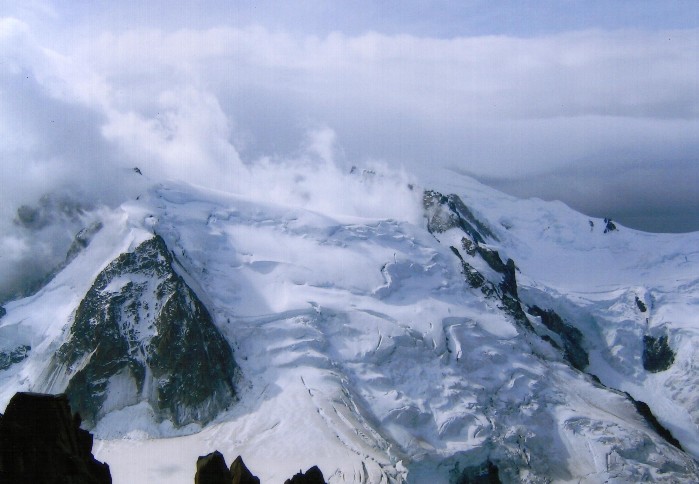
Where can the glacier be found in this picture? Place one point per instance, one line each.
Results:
(398, 349)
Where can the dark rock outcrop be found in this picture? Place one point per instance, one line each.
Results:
(241, 474)
(505, 291)
(486, 474)
(657, 354)
(9, 358)
(81, 240)
(446, 212)
(641, 305)
(609, 226)
(644, 410)
(509, 280)
(311, 476)
(42, 443)
(211, 469)
(3, 311)
(476, 279)
(570, 336)
(469, 246)
(141, 324)
(492, 258)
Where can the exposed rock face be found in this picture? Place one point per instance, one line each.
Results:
(141, 330)
(40, 442)
(3, 311)
(311, 476)
(485, 474)
(609, 226)
(571, 337)
(81, 240)
(10, 357)
(241, 474)
(657, 354)
(211, 469)
(641, 305)
(644, 410)
(446, 212)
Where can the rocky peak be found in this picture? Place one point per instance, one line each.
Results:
(211, 469)
(141, 331)
(241, 474)
(609, 225)
(446, 212)
(41, 442)
(311, 476)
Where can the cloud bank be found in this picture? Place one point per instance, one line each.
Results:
(542, 112)
(605, 120)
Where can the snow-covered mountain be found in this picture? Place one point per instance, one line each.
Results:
(491, 336)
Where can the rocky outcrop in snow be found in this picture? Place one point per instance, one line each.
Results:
(311, 476)
(41, 442)
(142, 334)
(486, 474)
(657, 354)
(241, 474)
(570, 337)
(211, 469)
(14, 355)
(446, 212)
(609, 226)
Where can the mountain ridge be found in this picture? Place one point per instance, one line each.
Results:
(370, 341)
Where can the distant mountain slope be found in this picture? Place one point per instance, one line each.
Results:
(140, 333)
(497, 336)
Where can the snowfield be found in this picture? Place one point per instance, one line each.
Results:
(364, 350)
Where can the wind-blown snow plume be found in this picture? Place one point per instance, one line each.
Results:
(71, 141)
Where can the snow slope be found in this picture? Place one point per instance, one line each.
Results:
(594, 279)
(364, 350)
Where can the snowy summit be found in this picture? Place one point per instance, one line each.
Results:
(451, 332)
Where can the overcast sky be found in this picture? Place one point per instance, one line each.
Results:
(595, 103)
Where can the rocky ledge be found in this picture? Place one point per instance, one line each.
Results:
(41, 442)
(212, 469)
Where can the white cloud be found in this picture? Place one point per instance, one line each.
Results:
(82, 112)
(483, 103)
(605, 120)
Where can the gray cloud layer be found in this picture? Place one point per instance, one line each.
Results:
(603, 120)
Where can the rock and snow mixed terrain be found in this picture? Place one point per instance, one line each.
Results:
(487, 335)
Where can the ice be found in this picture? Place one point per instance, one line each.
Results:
(364, 351)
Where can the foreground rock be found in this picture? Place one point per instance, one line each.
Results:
(211, 469)
(312, 476)
(41, 442)
(241, 474)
